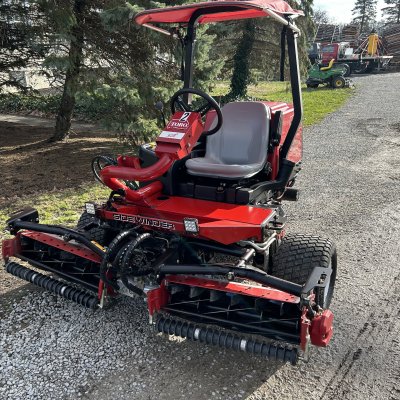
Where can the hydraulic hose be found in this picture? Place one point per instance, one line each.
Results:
(249, 272)
(57, 230)
(127, 261)
(111, 252)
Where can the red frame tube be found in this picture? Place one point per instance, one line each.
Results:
(133, 173)
(129, 169)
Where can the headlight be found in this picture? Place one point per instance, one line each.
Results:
(191, 225)
(90, 208)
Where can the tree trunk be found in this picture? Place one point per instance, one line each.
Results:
(241, 60)
(398, 12)
(362, 22)
(75, 56)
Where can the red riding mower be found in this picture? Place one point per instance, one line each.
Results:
(202, 238)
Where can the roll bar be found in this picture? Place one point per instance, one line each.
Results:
(289, 36)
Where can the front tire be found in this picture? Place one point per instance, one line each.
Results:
(94, 233)
(296, 257)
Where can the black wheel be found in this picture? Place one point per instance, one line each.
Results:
(360, 68)
(347, 68)
(312, 85)
(371, 67)
(296, 257)
(338, 82)
(92, 232)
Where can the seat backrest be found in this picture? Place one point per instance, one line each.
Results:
(330, 65)
(243, 137)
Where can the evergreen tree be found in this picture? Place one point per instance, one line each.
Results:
(111, 61)
(85, 49)
(20, 47)
(76, 31)
(258, 48)
(364, 13)
(241, 61)
(392, 11)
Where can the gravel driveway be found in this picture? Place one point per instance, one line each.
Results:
(52, 349)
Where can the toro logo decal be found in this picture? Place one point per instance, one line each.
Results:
(181, 123)
(136, 219)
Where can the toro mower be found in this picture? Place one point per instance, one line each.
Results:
(333, 75)
(195, 224)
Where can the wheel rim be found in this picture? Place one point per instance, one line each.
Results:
(339, 83)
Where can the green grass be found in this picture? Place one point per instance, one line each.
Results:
(64, 207)
(318, 103)
(59, 207)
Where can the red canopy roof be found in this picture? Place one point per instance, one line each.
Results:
(245, 9)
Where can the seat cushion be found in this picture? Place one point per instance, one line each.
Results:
(203, 166)
(240, 148)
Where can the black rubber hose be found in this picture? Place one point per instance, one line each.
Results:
(116, 243)
(126, 260)
(247, 273)
(111, 252)
(58, 230)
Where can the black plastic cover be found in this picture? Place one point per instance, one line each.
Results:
(28, 214)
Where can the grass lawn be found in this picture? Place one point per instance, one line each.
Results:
(58, 207)
(63, 206)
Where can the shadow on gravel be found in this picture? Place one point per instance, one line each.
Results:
(175, 368)
(114, 354)
(184, 370)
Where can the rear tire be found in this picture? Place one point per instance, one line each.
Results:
(360, 68)
(95, 233)
(296, 257)
(339, 82)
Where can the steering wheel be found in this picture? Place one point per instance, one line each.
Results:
(177, 100)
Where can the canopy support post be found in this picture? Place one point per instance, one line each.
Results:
(190, 42)
(283, 55)
(296, 92)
